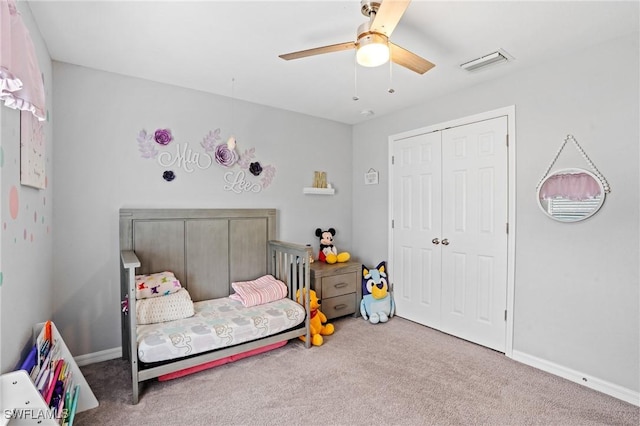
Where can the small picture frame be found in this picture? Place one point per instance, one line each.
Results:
(371, 177)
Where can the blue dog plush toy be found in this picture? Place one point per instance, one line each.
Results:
(377, 301)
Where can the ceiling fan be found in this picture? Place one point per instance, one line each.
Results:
(372, 44)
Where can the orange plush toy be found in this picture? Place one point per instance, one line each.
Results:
(318, 321)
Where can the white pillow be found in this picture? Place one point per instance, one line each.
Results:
(174, 306)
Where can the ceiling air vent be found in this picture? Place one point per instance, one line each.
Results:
(492, 58)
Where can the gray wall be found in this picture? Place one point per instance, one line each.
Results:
(26, 284)
(576, 285)
(99, 169)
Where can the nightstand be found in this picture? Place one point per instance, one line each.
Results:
(338, 286)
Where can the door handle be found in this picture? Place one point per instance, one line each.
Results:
(445, 242)
(435, 241)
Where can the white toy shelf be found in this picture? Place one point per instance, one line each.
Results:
(20, 393)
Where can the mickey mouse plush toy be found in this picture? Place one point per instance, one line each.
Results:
(328, 252)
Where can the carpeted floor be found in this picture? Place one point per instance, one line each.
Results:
(398, 373)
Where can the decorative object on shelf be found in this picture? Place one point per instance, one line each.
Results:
(371, 177)
(320, 185)
(328, 252)
(319, 179)
(224, 154)
(377, 303)
(572, 194)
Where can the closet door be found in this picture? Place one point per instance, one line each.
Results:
(449, 241)
(416, 200)
(474, 235)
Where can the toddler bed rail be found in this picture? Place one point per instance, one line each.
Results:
(207, 249)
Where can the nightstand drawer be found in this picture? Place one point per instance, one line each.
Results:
(337, 285)
(338, 306)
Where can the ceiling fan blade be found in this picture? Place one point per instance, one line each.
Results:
(318, 51)
(388, 16)
(409, 60)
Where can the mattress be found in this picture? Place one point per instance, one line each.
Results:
(216, 324)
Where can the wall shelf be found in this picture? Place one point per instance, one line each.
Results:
(319, 191)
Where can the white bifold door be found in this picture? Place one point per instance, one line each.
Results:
(449, 230)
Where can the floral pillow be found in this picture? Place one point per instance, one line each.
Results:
(158, 284)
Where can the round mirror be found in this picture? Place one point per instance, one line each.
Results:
(570, 195)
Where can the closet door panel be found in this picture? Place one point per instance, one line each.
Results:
(417, 217)
(474, 218)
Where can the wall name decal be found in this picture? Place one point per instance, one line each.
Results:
(187, 159)
(155, 145)
(236, 182)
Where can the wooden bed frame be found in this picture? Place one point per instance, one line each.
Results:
(207, 249)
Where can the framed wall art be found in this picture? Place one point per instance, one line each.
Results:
(32, 151)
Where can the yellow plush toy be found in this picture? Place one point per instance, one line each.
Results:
(318, 321)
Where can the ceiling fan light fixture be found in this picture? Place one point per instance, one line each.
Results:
(373, 50)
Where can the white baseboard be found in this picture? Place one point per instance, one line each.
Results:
(594, 383)
(100, 356)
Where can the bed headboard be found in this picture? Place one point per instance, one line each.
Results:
(207, 249)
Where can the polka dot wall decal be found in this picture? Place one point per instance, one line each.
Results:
(25, 234)
(1, 278)
(1, 157)
(35, 217)
(13, 202)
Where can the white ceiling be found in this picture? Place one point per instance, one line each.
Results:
(205, 45)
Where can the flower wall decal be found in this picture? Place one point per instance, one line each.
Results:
(163, 136)
(211, 140)
(146, 146)
(168, 175)
(224, 156)
(255, 168)
(246, 157)
(267, 177)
